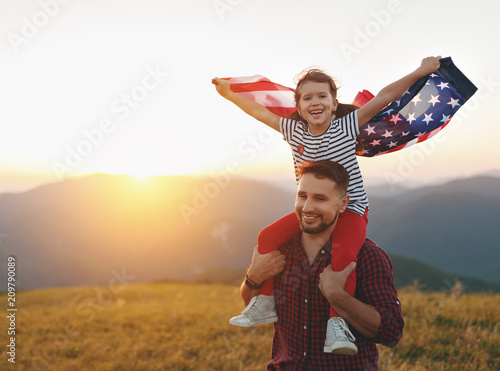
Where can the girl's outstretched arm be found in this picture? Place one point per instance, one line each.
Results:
(396, 89)
(256, 110)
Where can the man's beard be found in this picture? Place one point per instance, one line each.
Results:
(316, 229)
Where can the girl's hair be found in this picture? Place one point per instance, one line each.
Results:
(317, 75)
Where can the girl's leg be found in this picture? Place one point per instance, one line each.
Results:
(262, 308)
(347, 239)
(272, 237)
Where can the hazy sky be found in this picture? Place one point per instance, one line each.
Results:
(124, 86)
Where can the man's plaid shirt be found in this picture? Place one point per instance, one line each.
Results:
(303, 311)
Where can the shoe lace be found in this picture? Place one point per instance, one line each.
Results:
(340, 329)
(252, 305)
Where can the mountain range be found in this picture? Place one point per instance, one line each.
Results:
(96, 229)
(453, 226)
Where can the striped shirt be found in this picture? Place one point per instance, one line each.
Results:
(337, 143)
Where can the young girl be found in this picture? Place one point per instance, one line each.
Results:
(321, 128)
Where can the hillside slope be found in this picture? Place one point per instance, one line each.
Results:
(453, 226)
(83, 231)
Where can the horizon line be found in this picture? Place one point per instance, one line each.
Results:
(279, 179)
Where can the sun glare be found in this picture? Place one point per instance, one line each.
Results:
(142, 164)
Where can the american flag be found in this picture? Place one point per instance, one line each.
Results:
(275, 97)
(419, 114)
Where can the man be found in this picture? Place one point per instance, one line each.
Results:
(306, 285)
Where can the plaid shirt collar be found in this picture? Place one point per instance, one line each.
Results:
(324, 254)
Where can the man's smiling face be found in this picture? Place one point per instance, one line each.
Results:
(318, 203)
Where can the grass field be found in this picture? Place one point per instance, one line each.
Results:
(184, 327)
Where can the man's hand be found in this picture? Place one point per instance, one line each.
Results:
(262, 268)
(332, 284)
(363, 317)
(265, 266)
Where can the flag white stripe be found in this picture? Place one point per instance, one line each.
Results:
(272, 98)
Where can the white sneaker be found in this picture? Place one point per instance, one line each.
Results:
(339, 339)
(260, 310)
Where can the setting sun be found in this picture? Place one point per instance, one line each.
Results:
(141, 164)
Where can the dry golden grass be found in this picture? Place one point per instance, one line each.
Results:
(184, 327)
(447, 332)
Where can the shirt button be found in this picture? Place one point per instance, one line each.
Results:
(305, 301)
(305, 327)
(323, 251)
(305, 354)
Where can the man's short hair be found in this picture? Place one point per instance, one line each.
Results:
(326, 169)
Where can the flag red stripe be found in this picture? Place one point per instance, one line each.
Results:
(419, 140)
(258, 86)
(280, 100)
(281, 111)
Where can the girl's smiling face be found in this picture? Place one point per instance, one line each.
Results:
(316, 105)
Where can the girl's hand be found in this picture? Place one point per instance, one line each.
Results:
(223, 87)
(250, 107)
(429, 65)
